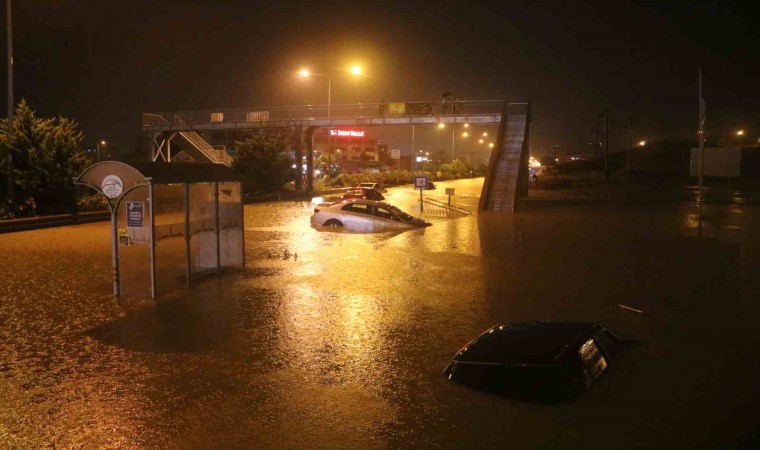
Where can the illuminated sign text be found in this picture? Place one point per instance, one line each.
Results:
(347, 133)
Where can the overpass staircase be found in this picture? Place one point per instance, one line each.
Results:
(197, 147)
(506, 181)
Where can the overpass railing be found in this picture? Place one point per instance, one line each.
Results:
(312, 112)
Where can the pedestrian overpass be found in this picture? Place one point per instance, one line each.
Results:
(505, 183)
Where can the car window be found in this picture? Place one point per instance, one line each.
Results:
(384, 213)
(593, 361)
(358, 208)
(401, 213)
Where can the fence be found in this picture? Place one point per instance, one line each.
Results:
(434, 208)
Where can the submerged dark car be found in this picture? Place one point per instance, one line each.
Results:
(544, 361)
(366, 193)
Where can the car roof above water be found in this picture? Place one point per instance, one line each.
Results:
(365, 201)
(527, 343)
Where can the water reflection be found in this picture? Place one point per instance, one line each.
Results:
(337, 340)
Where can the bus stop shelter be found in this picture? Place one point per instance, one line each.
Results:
(171, 223)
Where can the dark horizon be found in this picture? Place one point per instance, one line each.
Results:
(104, 64)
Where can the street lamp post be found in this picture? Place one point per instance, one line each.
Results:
(305, 73)
(102, 142)
(9, 26)
(453, 140)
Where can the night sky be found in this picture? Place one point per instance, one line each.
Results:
(103, 63)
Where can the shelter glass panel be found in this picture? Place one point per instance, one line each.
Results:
(133, 222)
(203, 249)
(231, 224)
(171, 256)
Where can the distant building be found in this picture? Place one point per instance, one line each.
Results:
(354, 149)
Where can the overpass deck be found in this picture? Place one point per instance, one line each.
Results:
(359, 114)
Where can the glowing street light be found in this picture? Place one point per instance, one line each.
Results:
(467, 125)
(490, 145)
(740, 133)
(485, 133)
(306, 73)
(480, 141)
(441, 125)
(642, 143)
(465, 134)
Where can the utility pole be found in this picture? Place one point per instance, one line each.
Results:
(9, 28)
(414, 152)
(630, 144)
(701, 141)
(606, 145)
(596, 144)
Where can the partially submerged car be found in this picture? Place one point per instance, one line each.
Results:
(543, 361)
(365, 193)
(364, 215)
(376, 186)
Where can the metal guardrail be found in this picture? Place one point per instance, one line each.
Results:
(265, 115)
(33, 223)
(435, 208)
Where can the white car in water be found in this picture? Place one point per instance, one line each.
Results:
(364, 215)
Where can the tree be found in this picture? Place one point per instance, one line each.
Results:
(455, 168)
(46, 159)
(263, 163)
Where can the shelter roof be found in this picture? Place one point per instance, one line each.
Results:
(164, 172)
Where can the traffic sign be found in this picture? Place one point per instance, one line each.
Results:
(420, 182)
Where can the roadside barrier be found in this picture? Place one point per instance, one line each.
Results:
(33, 223)
(434, 208)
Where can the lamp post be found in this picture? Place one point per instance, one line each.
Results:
(306, 73)
(102, 142)
(9, 27)
(441, 126)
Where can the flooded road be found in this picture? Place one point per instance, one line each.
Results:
(337, 340)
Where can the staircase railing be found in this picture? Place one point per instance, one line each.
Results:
(435, 208)
(195, 139)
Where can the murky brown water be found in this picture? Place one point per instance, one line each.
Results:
(337, 340)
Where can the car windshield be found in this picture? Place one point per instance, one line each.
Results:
(529, 343)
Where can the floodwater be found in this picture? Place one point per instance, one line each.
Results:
(337, 340)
